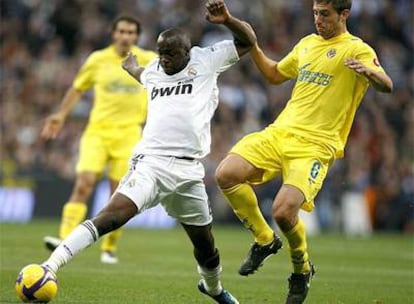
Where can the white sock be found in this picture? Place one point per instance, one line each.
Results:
(80, 238)
(211, 278)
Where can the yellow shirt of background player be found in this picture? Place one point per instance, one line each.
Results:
(119, 99)
(326, 94)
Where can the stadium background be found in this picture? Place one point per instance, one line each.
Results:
(43, 43)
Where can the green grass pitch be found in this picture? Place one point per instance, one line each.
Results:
(157, 267)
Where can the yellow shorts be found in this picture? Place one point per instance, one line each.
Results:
(301, 163)
(107, 147)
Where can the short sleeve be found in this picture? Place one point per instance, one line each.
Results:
(222, 55)
(368, 57)
(288, 66)
(84, 79)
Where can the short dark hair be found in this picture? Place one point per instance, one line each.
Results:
(179, 36)
(128, 19)
(338, 5)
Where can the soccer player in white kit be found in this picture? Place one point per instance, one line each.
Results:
(165, 168)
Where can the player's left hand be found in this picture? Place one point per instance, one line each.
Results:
(357, 66)
(217, 11)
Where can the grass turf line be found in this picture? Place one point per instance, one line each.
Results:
(157, 267)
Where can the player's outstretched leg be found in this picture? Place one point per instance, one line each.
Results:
(232, 176)
(285, 211)
(209, 267)
(119, 210)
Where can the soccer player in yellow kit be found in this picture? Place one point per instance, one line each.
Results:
(333, 70)
(114, 126)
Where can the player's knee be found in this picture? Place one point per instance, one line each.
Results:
(83, 187)
(284, 216)
(226, 177)
(286, 207)
(279, 214)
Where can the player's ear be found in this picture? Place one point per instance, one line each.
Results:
(345, 15)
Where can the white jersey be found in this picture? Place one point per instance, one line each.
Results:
(180, 106)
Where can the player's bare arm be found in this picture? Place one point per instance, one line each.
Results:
(267, 66)
(55, 122)
(380, 81)
(131, 65)
(218, 13)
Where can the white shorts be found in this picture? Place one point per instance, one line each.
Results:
(177, 184)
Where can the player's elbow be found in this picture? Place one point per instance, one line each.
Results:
(385, 84)
(273, 76)
(386, 87)
(243, 47)
(247, 43)
(389, 87)
(275, 79)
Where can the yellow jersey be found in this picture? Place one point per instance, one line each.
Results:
(327, 93)
(119, 99)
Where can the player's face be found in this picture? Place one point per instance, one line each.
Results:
(124, 36)
(328, 22)
(173, 57)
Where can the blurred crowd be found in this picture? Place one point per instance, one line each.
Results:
(43, 43)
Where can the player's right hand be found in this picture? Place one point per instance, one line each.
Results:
(52, 126)
(217, 11)
(130, 63)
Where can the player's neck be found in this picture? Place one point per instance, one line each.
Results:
(340, 31)
(185, 63)
(181, 68)
(120, 52)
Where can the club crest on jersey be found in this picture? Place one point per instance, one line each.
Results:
(182, 88)
(331, 53)
(191, 71)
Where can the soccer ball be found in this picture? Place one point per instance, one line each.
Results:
(36, 284)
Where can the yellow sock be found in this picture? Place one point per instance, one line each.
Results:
(243, 200)
(72, 215)
(110, 240)
(298, 248)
